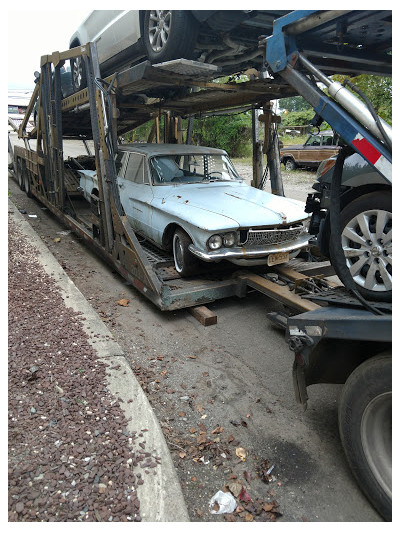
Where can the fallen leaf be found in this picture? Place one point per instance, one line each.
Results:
(124, 302)
(249, 517)
(241, 453)
(244, 496)
(181, 413)
(182, 455)
(57, 239)
(192, 357)
(199, 408)
(204, 416)
(217, 430)
(201, 439)
(192, 430)
(247, 476)
(231, 438)
(235, 487)
(268, 507)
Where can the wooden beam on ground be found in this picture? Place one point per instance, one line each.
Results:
(203, 315)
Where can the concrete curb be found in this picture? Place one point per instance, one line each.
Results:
(161, 498)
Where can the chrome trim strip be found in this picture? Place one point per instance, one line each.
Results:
(248, 253)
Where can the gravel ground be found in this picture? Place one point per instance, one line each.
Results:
(71, 457)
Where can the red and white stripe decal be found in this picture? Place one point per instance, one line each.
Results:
(373, 155)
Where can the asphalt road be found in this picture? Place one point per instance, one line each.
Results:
(235, 375)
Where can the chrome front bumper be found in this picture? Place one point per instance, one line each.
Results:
(254, 252)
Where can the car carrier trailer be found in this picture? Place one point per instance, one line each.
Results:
(301, 44)
(103, 111)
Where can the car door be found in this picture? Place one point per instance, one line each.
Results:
(136, 193)
(311, 150)
(329, 146)
(113, 31)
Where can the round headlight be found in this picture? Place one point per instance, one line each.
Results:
(215, 242)
(229, 239)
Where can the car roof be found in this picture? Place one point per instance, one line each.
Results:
(324, 132)
(152, 149)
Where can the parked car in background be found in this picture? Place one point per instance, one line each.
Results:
(228, 39)
(191, 201)
(366, 225)
(18, 102)
(310, 154)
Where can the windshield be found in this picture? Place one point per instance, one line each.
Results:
(190, 168)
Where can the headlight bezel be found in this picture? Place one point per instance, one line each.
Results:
(229, 239)
(218, 242)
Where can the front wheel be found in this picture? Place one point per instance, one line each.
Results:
(366, 239)
(365, 424)
(169, 35)
(185, 262)
(290, 165)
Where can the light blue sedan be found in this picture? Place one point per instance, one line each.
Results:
(191, 201)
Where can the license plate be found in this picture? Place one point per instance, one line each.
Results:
(276, 259)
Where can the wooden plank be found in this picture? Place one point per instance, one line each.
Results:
(203, 315)
(293, 275)
(278, 292)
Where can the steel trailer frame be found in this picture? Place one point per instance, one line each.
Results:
(93, 113)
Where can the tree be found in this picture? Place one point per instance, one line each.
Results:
(294, 103)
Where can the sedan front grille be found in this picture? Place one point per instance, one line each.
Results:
(270, 236)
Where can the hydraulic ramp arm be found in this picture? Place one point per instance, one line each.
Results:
(367, 134)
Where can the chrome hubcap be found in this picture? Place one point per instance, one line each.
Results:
(77, 71)
(376, 439)
(159, 28)
(367, 246)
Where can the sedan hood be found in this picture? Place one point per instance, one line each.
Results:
(239, 204)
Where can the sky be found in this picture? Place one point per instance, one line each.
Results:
(32, 34)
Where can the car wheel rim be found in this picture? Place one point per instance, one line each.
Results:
(367, 246)
(77, 72)
(376, 439)
(159, 28)
(178, 253)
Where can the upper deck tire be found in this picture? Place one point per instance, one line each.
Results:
(169, 35)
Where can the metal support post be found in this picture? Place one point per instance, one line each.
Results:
(271, 148)
(257, 152)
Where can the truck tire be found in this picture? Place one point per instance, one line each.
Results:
(169, 35)
(26, 182)
(18, 172)
(365, 424)
(366, 225)
(290, 165)
(185, 262)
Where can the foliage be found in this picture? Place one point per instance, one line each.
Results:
(297, 118)
(231, 133)
(293, 103)
(378, 89)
